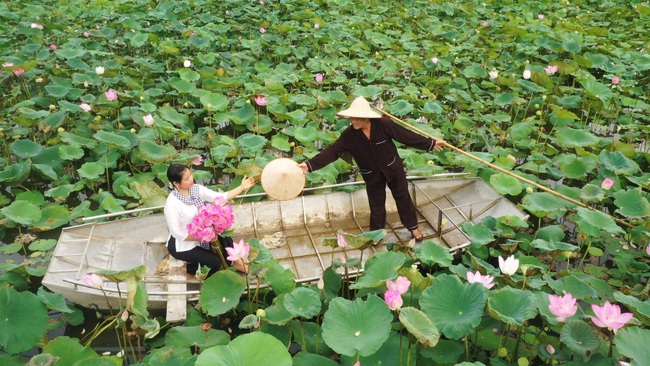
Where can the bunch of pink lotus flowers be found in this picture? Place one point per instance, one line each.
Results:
(607, 316)
(212, 220)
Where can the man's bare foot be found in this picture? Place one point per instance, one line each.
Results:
(240, 266)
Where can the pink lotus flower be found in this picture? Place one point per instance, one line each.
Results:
(526, 74)
(86, 34)
(262, 2)
(198, 160)
(551, 69)
(357, 364)
(540, 16)
(111, 95)
(493, 74)
(36, 25)
(38, 80)
(99, 70)
(485, 24)
(19, 71)
(319, 78)
(187, 63)
(400, 285)
(260, 100)
(393, 299)
(92, 280)
(615, 80)
(316, 25)
(53, 47)
(239, 251)
(647, 249)
(609, 316)
(211, 219)
(85, 107)
(607, 183)
(562, 306)
(148, 120)
(486, 280)
(8, 64)
(340, 240)
(509, 266)
(434, 60)
(262, 30)
(321, 283)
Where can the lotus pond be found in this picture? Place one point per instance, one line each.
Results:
(97, 97)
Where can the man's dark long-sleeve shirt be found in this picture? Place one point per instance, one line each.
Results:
(376, 154)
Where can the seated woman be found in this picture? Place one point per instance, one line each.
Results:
(182, 206)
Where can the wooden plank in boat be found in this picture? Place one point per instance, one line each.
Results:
(176, 304)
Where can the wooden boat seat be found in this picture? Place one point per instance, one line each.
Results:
(176, 304)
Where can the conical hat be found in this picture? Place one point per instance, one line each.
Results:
(360, 108)
(282, 179)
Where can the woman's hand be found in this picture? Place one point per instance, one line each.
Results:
(247, 183)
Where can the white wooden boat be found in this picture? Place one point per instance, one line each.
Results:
(443, 203)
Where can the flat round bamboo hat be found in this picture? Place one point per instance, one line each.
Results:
(282, 179)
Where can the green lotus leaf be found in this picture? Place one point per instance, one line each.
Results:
(303, 302)
(548, 246)
(214, 102)
(431, 253)
(91, 170)
(22, 212)
(42, 244)
(542, 204)
(53, 301)
(43, 359)
(171, 356)
(577, 168)
(46, 171)
(504, 99)
(401, 108)
(579, 337)
(641, 181)
(563, 113)
(571, 138)
(277, 314)
(352, 327)
(618, 163)
(591, 222)
(447, 352)
(395, 351)
(569, 101)
(69, 350)
(357, 241)
(169, 114)
(251, 142)
(280, 142)
(479, 233)
(310, 337)
(306, 135)
(577, 287)
(191, 75)
(592, 193)
(53, 216)
(244, 114)
(597, 90)
(23, 320)
(381, 267)
(32, 114)
(113, 140)
(260, 125)
(11, 248)
(77, 140)
(641, 309)
(183, 86)
(139, 39)
(633, 343)
(186, 337)
(532, 87)
(281, 279)
(57, 91)
(432, 108)
(367, 91)
(238, 352)
(15, 173)
(551, 233)
(455, 308)
(506, 184)
(420, 326)
(34, 197)
(155, 153)
(309, 359)
(632, 203)
(26, 148)
(221, 292)
(512, 306)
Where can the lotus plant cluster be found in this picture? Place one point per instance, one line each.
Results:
(212, 219)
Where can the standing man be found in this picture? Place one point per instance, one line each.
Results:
(370, 141)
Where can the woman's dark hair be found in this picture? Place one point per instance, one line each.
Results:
(175, 173)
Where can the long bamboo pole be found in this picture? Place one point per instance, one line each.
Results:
(496, 167)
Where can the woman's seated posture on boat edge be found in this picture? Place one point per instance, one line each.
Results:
(182, 206)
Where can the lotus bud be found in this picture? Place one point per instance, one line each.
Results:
(260, 313)
(529, 189)
(550, 349)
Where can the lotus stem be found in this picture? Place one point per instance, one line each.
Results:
(585, 255)
(516, 353)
